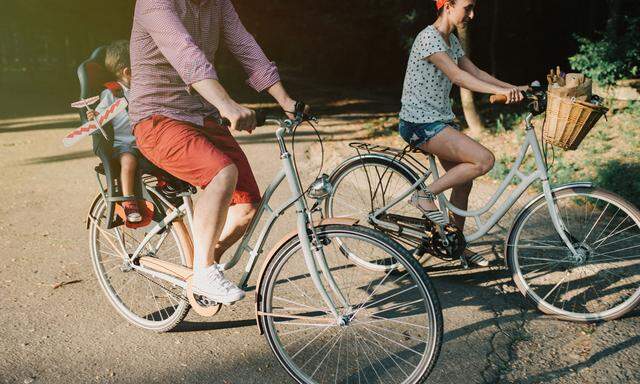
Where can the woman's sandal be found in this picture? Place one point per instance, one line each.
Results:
(436, 215)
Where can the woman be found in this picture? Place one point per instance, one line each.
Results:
(426, 120)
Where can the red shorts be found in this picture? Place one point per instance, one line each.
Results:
(196, 154)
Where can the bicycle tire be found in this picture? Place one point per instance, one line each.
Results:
(517, 262)
(284, 255)
(124, 306)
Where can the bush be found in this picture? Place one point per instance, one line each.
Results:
(621, 178)
(610, 58)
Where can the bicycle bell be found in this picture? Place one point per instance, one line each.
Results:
(320, 188)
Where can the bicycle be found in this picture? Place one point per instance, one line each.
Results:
(565, 249)
(325, 318)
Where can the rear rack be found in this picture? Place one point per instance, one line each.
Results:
(404, 155)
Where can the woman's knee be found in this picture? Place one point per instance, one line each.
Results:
(484, 162)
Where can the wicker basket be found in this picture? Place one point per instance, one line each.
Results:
(569, 121)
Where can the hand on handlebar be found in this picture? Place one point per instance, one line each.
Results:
(240, 118)
(514, 95)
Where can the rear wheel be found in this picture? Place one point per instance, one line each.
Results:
(391, 331)
(146, 302)
(603, 281)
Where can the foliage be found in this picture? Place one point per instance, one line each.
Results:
(610, 58)
(623, 177)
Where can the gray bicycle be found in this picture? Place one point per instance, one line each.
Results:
(326, 318)
(574, 250)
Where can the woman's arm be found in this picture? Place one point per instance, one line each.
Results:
(467, 65)
(466, 80)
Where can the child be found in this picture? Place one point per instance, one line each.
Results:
(124, 147)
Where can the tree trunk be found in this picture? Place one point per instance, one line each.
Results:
(468, 105)
(495, 25)
(614, 18)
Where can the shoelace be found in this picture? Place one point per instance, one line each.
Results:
(217, 276)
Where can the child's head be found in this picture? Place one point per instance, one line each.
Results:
(117, 60)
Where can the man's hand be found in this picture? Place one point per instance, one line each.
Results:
(241, 118)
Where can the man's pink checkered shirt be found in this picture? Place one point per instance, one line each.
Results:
(173, 45)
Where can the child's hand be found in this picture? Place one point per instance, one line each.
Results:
(92, 115)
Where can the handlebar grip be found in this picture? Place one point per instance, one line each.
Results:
(498, 99)
(261, 118)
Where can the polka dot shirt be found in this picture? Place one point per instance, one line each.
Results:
(426, 91)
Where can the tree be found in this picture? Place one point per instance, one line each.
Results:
(468, 105)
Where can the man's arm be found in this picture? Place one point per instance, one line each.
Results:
(160, 20)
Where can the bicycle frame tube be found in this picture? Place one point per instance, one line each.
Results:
(313, 254)
(541, 174)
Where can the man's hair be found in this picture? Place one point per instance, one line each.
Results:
(117, 57)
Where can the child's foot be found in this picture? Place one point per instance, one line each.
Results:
(132, 212)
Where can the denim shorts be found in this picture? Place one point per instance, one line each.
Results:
(417, 134)
(120, 149)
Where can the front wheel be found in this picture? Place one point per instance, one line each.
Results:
(390, 331)
(601, 282)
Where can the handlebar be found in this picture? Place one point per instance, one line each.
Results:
(262, 118)
(537, 96)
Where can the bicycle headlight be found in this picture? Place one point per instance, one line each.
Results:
(320, 188)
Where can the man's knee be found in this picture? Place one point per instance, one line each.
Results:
(246, 212)
(226, 179)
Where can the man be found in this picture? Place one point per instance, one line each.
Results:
(175, 95)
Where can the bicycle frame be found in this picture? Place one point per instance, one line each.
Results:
(313, 253)
(541, 173)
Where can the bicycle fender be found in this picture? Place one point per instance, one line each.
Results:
(284, 240)
(579, 184)
(93, 205)
(360, 158)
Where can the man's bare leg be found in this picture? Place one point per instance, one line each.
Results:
(210, 214)
(238, 219)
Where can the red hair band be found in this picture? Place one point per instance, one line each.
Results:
(440, 4)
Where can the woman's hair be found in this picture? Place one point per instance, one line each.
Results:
(452, 2)
(117, 57)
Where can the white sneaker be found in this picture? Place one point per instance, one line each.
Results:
(212, 284)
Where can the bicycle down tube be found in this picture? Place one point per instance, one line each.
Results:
(541, 174)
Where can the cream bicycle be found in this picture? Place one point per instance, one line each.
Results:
(326, 318)
(574, 250)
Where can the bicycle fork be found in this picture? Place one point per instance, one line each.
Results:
(313, 253)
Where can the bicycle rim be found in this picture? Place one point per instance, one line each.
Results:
(603, 281)
(392, 330)
(145, 301)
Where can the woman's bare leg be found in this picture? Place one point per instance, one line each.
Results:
(459, 195)
(469, 157)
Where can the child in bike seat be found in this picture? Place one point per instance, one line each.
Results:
(124, 143)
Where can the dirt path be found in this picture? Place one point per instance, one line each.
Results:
(71, 333)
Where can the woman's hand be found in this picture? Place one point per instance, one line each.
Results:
(91, 114)
(514, 95)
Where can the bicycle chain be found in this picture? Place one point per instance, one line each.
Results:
(174, 294)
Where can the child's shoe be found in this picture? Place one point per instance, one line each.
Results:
(131, 211)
